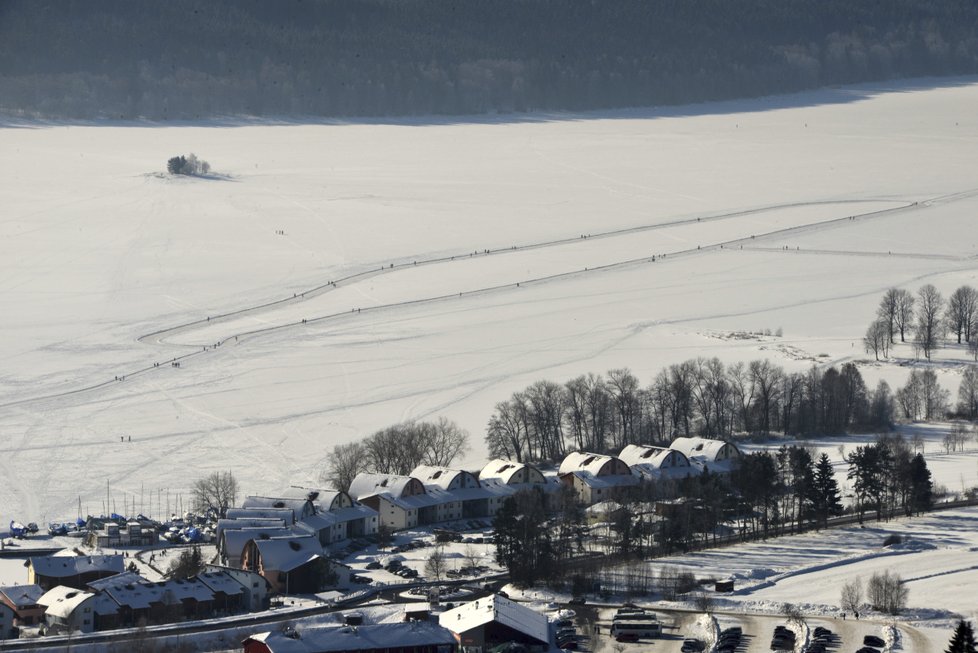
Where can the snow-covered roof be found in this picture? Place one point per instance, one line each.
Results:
(22, 596)
(125, 578)
(324, 639)
(299, 506)
(366, 485)
(288, 553)
(325, 499)
(233, 542)
(498, 609)
(505, 470)
(641, 454)
(61, 601)
(66, 566)
(592, 463)
(284, 514)
(356, 511)
(248, 522)
(218, 581)
(444, 477)
(704, 448)
(187, 589)
(137, 596)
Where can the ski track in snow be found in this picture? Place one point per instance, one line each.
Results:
(161, 336)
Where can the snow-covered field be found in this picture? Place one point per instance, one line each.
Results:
(101, 256)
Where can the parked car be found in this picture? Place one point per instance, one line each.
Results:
(691, 645)
(874, 641)
(374, 565)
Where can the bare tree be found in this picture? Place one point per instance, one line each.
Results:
(345, 462)
(962, 307)
(742, 387)
(928, 331)
(968, 392)
(217, 491)
(504, 434)
(886, 592)
(472, 556)
(852, 596)
(904, 313)
(877, 338)
(935, 398)
(888, 310)
(435, 566)
(624, 390)
(766, 378)
(444, 441)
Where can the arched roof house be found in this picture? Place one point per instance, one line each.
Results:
(511, 473)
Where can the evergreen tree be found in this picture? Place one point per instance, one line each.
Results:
(921, 492)
(963, 640)
(828, 502)
(523, 543)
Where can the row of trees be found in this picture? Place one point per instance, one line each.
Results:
(927, 319)
(771, 493)
(396, 449)
(888, 477)
(885, 592)
(701, 396)
(187, 59)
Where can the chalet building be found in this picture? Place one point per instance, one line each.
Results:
(288, 564)
(301, 507)
(22, 601)
(495, 622)
(414, 637)
(229, 523)
(466, 496)
(400, 501)
(512, 473)
(255, 589)
(338, 517)
(67, 610)
(718, 456)
(231, 543)
(595, 477)
(330, 515)
(72, 570)
(656, 463)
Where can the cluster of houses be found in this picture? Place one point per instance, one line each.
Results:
(493, 623)
(86, 593)
(284, 537)
(280, 544)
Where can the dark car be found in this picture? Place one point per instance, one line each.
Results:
(868, 649)
(874, 641)
(374, 565)
(630, 637)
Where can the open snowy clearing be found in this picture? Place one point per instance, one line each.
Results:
(936, 559)
(98, 251)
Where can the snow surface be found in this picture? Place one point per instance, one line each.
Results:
(102, 258)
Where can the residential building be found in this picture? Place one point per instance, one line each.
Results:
(72, 570)
(488, 623)
(412, 637)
